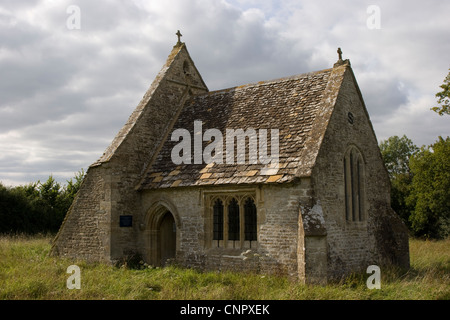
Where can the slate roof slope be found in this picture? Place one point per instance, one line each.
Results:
(288, 104)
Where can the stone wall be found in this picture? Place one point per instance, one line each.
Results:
(354, 245)
(85, 231)
(278, 214)
(280, 232)
(110, 187)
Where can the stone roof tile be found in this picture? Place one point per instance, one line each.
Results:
(288, 104)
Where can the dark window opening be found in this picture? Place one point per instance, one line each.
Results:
(218, 220)
(233, 220)
(250, 220)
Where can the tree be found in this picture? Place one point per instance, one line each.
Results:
(37, 207)
(70, 190)
(443, 97)
(396, 153)
(73, 186)
(430, 190)
(14, 208)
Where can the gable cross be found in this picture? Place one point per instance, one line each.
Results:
(179, 35)
(339, 51)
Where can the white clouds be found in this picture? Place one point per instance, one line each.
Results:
(65, 93)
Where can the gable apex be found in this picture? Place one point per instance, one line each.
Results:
(321, 121)
(177, 79)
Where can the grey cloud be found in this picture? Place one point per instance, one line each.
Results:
(382, 96)
(64, 94)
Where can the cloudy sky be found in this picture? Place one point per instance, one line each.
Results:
(71, 72)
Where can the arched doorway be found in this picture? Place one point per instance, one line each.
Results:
(161, 233)
(167, 238)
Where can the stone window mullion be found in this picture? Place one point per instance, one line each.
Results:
(354, 185)
(241, 223)
(218, 221)
(232, 221)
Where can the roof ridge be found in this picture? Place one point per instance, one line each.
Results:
(264, 82)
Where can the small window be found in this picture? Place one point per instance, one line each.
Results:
(186, 68)
(250, 220)
(350, 118)
(233, 220)
(354, 185)
(218, 220)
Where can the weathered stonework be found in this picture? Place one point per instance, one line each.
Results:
(302, 210)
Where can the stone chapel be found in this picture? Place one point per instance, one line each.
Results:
(320, 211)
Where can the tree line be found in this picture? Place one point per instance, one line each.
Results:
(420, 177)
(420, 184)
(38, 207)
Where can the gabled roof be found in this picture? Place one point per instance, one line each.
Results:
(138, 112)
(298, 106)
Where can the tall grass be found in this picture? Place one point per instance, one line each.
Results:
(27, 272)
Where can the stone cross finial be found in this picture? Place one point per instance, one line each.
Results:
(339, 51)
(179, 35)
(341, 62)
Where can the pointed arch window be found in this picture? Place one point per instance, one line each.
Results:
(233, 220)
(250, 219)
(354, 185)
(218, 220)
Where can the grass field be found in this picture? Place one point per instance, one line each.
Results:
(27, 272)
